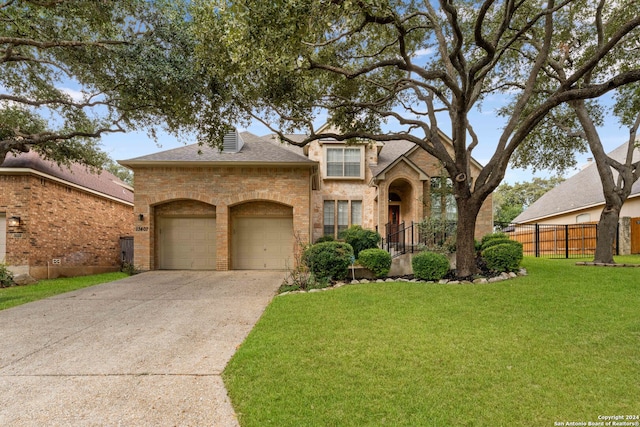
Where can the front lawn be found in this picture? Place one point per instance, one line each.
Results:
(16, 295)
(560, 345)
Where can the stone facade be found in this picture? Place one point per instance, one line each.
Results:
(64, 230)
(412, 186)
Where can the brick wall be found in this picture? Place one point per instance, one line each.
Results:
(257, 190)
(60, 222)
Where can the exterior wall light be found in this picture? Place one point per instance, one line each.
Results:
(141, 217)
(14, 221)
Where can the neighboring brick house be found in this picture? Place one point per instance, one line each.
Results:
(249, 205)
(57, 221)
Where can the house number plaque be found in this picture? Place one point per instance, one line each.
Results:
(138, 228)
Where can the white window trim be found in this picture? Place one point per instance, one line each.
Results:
(325, 158)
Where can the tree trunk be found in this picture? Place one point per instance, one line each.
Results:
(465, 238)
(607, 230)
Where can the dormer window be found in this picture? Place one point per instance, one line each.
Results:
(344, 162)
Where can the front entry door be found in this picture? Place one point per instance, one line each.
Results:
(394, 223)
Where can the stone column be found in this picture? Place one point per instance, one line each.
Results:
(624, 235)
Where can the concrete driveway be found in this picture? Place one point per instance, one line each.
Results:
(147, 350)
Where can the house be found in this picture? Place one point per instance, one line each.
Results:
(250, 205)
(58, 221)
(579, 199)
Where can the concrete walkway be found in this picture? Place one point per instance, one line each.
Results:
(147, 350)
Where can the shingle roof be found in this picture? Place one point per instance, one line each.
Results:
(390, 153)
(255, 150)
(105, 183)
(582, 190)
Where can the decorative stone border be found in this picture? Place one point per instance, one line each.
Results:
(602, 264)
(479, 281)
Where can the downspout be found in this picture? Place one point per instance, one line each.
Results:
(312, 177)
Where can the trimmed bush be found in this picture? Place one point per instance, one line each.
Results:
(360, 238)
(496, 241)
(328, 260)
(376, 260)
(430, 266)
(492, 236)
(327, 238)
(503, 257)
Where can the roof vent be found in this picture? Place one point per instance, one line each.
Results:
(232, 142)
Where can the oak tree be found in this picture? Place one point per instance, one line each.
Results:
(73, 70)
(385, 70)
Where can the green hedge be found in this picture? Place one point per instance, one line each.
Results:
(496, 241)
(493, 236)
(360, 238)
(430, 266)
(329, 260)
(376, 260)
(503, 257)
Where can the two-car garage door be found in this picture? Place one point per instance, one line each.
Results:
(257, 243)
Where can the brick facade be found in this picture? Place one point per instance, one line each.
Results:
(231, 185)
(229, 191)
(78, 230)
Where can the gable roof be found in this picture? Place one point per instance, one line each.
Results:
(582, 190)
(390, 152)
(105, 184)
(256, 150)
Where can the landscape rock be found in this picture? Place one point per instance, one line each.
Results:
(23, 279)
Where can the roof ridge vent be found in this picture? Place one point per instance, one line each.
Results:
(232, 142)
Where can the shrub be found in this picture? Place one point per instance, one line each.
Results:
(503, 257)
(376, 260)
(329, 260)
(437, 235)
(6, 277)
(430, 266)
(360, 238)
(492, 236)
(327, 238)
(496, 241)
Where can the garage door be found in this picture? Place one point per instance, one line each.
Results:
(262, 243)
(187, 243)
(3, 237)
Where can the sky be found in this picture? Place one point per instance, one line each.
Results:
(487, 125)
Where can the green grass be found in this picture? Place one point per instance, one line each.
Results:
(558, 345)
(17, 295)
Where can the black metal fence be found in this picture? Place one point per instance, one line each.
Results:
(557, 241)
(539, 240)
(402, 238)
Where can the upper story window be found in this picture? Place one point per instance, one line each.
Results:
(344, 162)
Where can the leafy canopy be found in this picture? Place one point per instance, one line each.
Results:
(73, 70)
